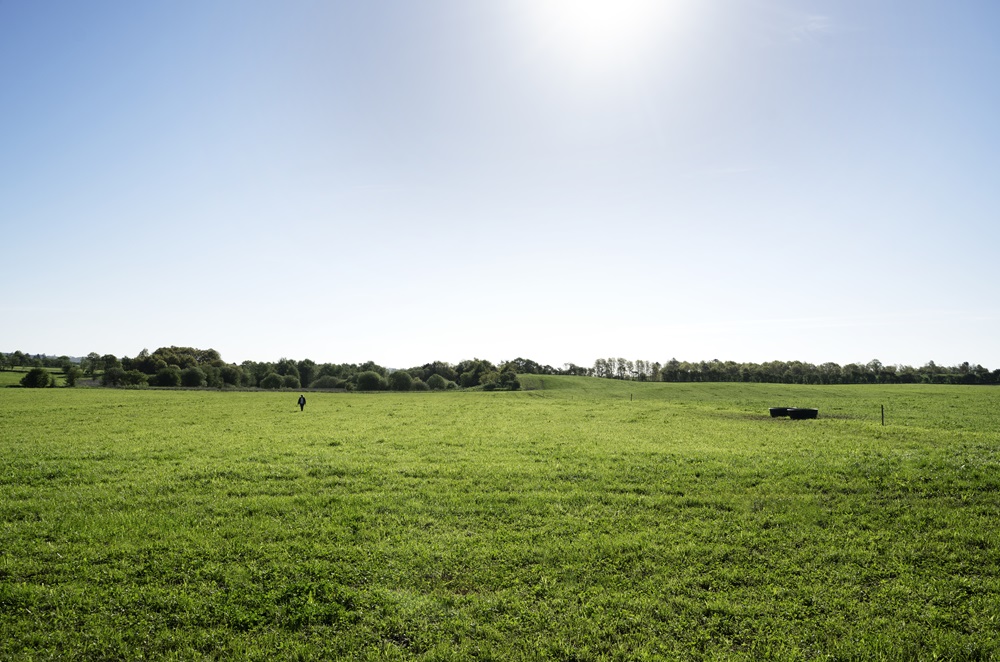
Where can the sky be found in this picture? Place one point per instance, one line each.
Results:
(558, 180)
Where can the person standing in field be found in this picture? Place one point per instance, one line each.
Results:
(302, 403)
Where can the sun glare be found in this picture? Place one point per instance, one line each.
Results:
(601, 37)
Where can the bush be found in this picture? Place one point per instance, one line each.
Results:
(272, 381)
(134, 378)
(400, 381)
(370, 380)
(72, 374)
(327, 381)
(193, 377)
(113, 377)
(419, 385)
(37, 378)
(290, 381)
(231, 375)
(508, 380)
(437, 383)
(169, 376)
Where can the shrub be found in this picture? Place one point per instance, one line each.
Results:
(169, 376)
(370, 380)
(134, 378)
(290, 381)
(272, 381)
(327, 381)
(113, 377)
(437, 383)
(193, 377)
(508, 379)
(72, 373)
(231, 375)
(400, 381)
(37, 378)
(419, 385)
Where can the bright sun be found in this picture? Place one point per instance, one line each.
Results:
(601, 37)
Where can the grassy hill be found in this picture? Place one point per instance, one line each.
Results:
(585, 519)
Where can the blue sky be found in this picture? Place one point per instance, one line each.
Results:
(406, 181)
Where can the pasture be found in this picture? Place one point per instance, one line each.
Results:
(14, 376)
(582, 520)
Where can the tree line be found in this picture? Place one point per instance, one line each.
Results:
(192, 367)
(789, 372)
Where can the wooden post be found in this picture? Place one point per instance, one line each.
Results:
(883, 415)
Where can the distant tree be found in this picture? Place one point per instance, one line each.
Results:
(37, 378)
(307, 371)
(72, 374)
(291, 381)
(168, 376)
(143, 362)
(213, 375)
(113, 376)
(331, 370)
(372, 367)
(182, 357)
(400, 380)
(489, 381)
(528, 367)
(504, 380)
(193, 377)
(134, 378)
(470, 372)
(92, 364)
(232, 375)
(436, 382)
(272, 381)
(425, 371)
(256, 372)
(369, 380)
(208, 357)
(286, 367)
(327, 381)
(508, 380)
(419, 385)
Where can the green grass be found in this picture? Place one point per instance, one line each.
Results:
(13, 377)
(583, 520)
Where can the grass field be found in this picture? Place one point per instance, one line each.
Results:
(582, 520)
(13, 377)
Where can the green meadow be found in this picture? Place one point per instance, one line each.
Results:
(13, 377)
(581, 519)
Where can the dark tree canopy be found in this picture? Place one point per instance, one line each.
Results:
(400, 380)
(370, 380)
(37, 378)
(174, 365)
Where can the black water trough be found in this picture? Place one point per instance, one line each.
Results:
(779, 411)
(798, 414)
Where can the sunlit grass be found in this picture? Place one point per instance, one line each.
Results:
(589, 519)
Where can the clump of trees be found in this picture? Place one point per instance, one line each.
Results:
(38, 378)
(192, 367)
(792, 372)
